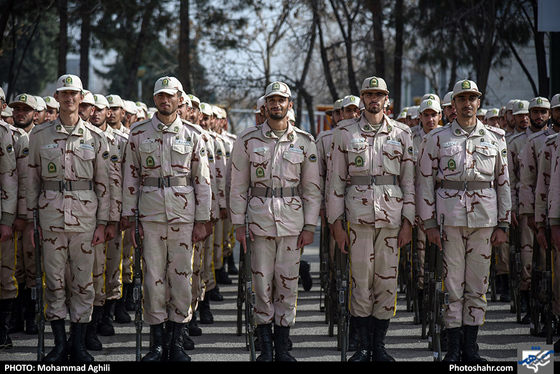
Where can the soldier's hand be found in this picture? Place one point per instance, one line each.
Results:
(305, 238)
(30, 232)
(405, 234)
(532, 224)
(98, 235)
(340, 236)
(6, 233)
(240, 237)
(498, 237)
(133, 230)
(433, 237)
(125, 223)
(199, 232)
(555, 235)
(541, 238)
(110, 231)
(19, 224)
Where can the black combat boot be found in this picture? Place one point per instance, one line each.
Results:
(470, 351)
(379, 331)
(188, 344)
(176, 350)
(60, 351)
(5, 313)
(264, 334)
(453, 345)
(157, 336)
(29, 313)
(206, 317)
(281, 344)
(105, 327)
(363, 353)
(78, 351)
(92, 341)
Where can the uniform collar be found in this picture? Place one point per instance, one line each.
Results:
(479, 129)
(269, 133)
(78, 130)
(173, 127)
(385, 127)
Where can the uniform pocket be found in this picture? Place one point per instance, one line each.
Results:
(83, 163)
(260, 165)
(292, 169)
(358, 159)
(50, 162)
(149, 157)
(485, 159)
(451, 160)
(392, 157)
(181, 155)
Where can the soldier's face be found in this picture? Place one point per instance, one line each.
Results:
(556, 116)
(51, 114)
(277, 107)
(85, 111)
(350, 111)
(430, 119)
(466, 105)
(450, 112)
(115, 115)
(69, 100)
(374, 101)
(539, 116)
(337, 115)
(98, 116)
(167, 104)
(23, 115)
(521, 121)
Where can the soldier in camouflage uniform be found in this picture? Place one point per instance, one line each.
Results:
(527, 125)
(275, 181)
(372, 188)
(8, 212)
(166, 180)
(68, 186)
(463, 176)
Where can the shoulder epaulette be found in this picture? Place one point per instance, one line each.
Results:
(139, 123)
(497, 130)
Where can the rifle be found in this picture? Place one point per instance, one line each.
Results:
(515, 270)
(493, 286)
(537, 284)
(37, 292)
(440, 298)
(415, 271)
(249, 294)
(324, 258)
(426, 315)
(342, 280)
(547, 287)
(137, 286)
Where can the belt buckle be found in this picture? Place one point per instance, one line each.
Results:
(373, 178)
(61, 186)
(164, 182)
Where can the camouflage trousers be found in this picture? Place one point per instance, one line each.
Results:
(275, 267)
(207, 270)
(25, 260)
(218, 252)
(374, 263)
(466, 267)
(198, 289)
(107, 270)
(421, 251)
(68, 257)
(167, 253)
(526, 252)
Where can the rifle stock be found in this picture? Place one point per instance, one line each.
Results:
(441, 298)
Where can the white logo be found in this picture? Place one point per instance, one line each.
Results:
(535, 358)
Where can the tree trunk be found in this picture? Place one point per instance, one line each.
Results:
(397, 61)
(184, 74)
(85, 42)
(62, 36)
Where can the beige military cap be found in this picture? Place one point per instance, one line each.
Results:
(69, 82)
(521, 107)
(26, 99)
(169, 85)
(278, 88)
(465, 86)
(539, 102)
(430, 104)
(374, 84)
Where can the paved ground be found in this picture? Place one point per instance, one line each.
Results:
(499, 338)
